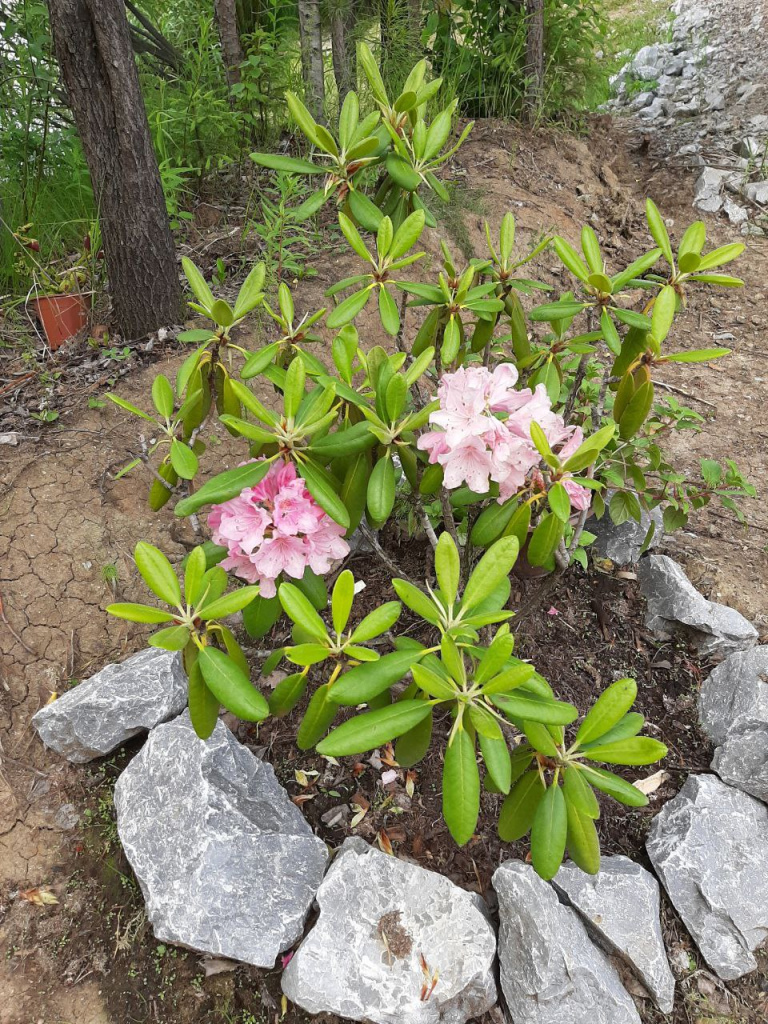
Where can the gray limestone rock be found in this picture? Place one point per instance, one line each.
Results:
(379, 916)
(673, 601)
(103, 712)
(733, 710)
(757, 191)
(642, 99)
(227, 864)
(551, 973)
(622, 543)
(736, 214)
(709, 846)
(645, 72)
(621, 909)
(708, 187)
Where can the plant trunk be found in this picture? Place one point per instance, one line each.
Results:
(225, 12)
(311, 36)
(93, 47)
(343, 47)
(534, 58)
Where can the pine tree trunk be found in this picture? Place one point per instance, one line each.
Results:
(343, 46)
(534, 58)
(225, 12)
(311, 37)
(93, 47)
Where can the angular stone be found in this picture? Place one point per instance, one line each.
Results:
(736, 214)
(708, 188)
(621, 909)
(379, 916)
(645, 72)
(672, 601)
(733, 711)
(551, 973)
(709, 846)
(227, 863)
(757, 191)
(103, 712)
(622, 543)
(642, 99)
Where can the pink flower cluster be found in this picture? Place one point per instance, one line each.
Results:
(485, 432)
(276, 527)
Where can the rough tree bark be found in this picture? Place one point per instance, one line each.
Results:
(343, 46)
(225, 12)
(311, 38)
(534, 58)
(93, 47)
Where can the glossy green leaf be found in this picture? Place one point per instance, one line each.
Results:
(157, 572)
(495, 566)
(582, 841)
(223, 487)
(139, 613)
(371, 729)
(608, 709)
(317, 719)
(287, 694)
(231, 686)
(614, 786)
(461, 787)
(174, 638)
(639, 750)
(229, 604)
(530, 707)
(549, 832)
(364, 682)
(301, 611)
(377, 622)
(341, 600)
(519, 808)
(203, 704)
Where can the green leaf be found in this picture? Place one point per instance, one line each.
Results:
(341, 600)
(631, 318)
(229, 604)
(139, 613)
(416, 600)
(221, 313)
(287, 694)
(364, 682)
(559, 502)
(495, 566)
(725, 254)
(447, 567)
(693, 240)
(130, 408)
(388, 314)
(663, 313)
(307, 654)
(224, 486)
(432, 684)
(497, 760)
(261, 615)
(582, 841)
(352, 235)
(203, 705)
(507, 680)
(699, 355)
(377, 622)
(629, 725)
(553, 311)
(639, 750)
(231, 686)
(608, 709)
(251, 291)
(461, 787)
(495, 658)
(609, 332)
(369, 730)
(591, 249)
(636, 413)
(162, 396)
(519, 808)
(197, 283)
(624, 505)
(407, 235)
(540, 738)
(157, 572)
(414, 744)
(402, 173)
(658, 230)
(570, 258)
(614, 786)
(578, 792)
(290, 164)
(381, 489)
(549, 832)
(321, 491)
(175, 638)
(544, 540)
(347, 310)
(320, 712)
(183, 460)
(530, 707)
(293, 390)
(300, 610)
(194, 571)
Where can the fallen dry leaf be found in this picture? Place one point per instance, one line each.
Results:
(40, 896)
(410, 783)
(217, 965)
(652, 783)
(384, 842)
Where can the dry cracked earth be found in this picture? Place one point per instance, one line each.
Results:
(67, 529)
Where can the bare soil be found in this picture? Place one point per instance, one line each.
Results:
(67, 530)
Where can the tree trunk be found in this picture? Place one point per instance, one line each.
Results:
(311, 37)
(93, 47)
(343, 46)
(414, 28)
(534, 58)
(225, 12)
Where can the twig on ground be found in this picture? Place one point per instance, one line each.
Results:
(11, 630)
(390, 563)
(679, 391)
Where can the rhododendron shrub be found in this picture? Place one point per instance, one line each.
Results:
(492, 425)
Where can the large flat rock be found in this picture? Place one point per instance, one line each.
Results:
(386, 929)
(227, 863)
(621, 909)
(733, 710)
(674, 602)
(100, 714)
(623, 543)
(551, 972)
(709, 846)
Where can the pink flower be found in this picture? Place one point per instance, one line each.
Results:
(581, 497)
(276, 528)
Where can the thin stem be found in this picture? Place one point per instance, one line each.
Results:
(390, 563)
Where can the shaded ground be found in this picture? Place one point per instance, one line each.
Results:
(67, 530)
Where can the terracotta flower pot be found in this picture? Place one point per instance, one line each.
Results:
(62, 316)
